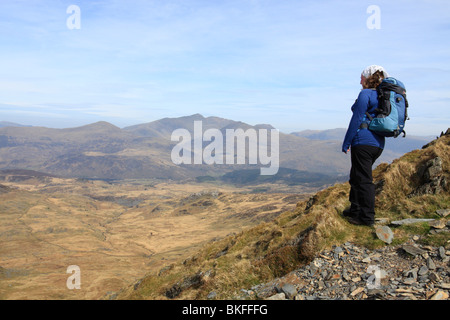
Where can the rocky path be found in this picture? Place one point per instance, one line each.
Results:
(348, 272)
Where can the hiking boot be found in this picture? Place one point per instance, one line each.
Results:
(349, 213)
(357, 221)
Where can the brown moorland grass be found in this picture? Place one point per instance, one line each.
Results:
(115, 233)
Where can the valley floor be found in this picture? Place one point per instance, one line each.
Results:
(115, 232)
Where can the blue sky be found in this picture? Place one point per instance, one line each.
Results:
(293, 64)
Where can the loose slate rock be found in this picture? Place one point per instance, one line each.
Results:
(445, 286)
(430, 264)
(441, 251)
(412, 250)
(384, 233)
(440, 295)
(289, 291)
(342, 275)
(422, 271)
(443, 212)
(438, 224)
(410, 221)
(278, 296)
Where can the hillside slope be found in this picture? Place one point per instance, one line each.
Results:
(414, 186)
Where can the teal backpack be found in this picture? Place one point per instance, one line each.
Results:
(392, 111)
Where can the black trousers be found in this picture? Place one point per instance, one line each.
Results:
(362, 192)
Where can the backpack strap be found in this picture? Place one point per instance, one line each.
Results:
(364, 124)
(392, 87)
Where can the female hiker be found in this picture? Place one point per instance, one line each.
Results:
(365, 147)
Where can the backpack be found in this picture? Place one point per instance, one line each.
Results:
(392, 111)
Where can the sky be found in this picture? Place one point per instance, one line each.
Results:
(293, 64)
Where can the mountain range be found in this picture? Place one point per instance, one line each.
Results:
(102, 150)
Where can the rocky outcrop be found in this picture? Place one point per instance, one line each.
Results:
(433, 180)
(193, 281)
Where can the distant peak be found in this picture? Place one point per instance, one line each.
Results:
(196, 116)
(103, 123)
(99, 125)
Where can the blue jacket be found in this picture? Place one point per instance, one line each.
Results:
(367, 101)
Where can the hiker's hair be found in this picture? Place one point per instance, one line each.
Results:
(374, 80)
